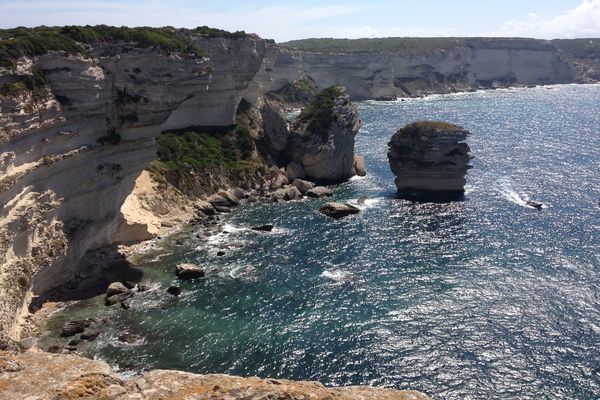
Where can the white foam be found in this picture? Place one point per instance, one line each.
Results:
(337, 275)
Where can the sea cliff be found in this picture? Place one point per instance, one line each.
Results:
(80, 111)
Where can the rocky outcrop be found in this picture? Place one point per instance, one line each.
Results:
(321, 141)
(51, 376)
(338, 210)
(429, 158)
(186, 271)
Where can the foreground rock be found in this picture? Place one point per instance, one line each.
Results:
(338, 210)
(319, 191)
(187, 271)
(54, 376)
(429, 159)
(321, 143)
(116, 288)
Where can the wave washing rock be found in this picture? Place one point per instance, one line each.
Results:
(430, 159)
(51, 376)
(322, 137)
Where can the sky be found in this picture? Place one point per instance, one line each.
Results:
(287, 20)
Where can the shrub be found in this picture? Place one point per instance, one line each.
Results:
(425, 128)
(318, 115)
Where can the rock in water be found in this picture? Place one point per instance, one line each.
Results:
(322, 137)
(74, 327)
(116, 288)
(430, 159)
(264, 228)
(359, 166)
(338, 210)
(187, 271)
(303, 186)
(319, 191)
(174, 291)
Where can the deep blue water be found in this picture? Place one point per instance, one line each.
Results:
(479, 299)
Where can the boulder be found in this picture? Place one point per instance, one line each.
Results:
(279, 180)
(429, 159)
(302, 185)
(174, 291)
(286, 194)
(74, 327)
(118, 298)
(338, 210)
(90, 335)
(116, 288)
(359, 166)
(223, 209)
(129, 338)
(295, 171)
(231, 198)
(264, 228)
(322, 137)
(205, 207)
(216, 200)
(186, 271)
(319, 191)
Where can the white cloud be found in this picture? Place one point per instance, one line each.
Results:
(368, 31)
(582, 21)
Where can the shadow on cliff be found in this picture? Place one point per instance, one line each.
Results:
(99, 269)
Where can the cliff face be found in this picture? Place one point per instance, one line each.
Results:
(468, 65)
(72, 146)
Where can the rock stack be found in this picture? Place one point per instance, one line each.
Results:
(430, 160)
(321, 142)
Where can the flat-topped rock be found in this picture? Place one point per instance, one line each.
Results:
(186, 271)
(338, 210)
(429, 159)
(319, 191)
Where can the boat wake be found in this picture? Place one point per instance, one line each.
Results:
(506, 189)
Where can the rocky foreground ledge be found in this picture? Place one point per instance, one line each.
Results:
(39, 375)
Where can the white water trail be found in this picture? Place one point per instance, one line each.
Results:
(506, 188)
(337, 275)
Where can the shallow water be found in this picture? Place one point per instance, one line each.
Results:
(479, 299)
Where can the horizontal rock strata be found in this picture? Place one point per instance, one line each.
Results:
(429, 158)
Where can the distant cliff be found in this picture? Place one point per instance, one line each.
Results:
(399, 67)
(81, 108)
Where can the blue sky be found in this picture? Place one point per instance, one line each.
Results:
(286, 20)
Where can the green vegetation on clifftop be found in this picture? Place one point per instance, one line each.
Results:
(425, 128)
(318, 115)
(18, 42)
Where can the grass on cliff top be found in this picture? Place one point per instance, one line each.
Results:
(18, 42)
(424, 128)
(579, 48)
(183, 152)
(318, 115)
(220, 33)
(381, 45)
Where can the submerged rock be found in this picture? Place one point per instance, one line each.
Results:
(338, 210)
(264, 228)
(429, 159)
(174, 291)
(90, 335)
(186, 271)
(129, 338)
(319, 191)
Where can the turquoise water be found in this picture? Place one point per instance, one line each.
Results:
(478, 299)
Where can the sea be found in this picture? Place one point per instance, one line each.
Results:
(481, 298)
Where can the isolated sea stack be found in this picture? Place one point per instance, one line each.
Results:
(430, 160)
(321, 144)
